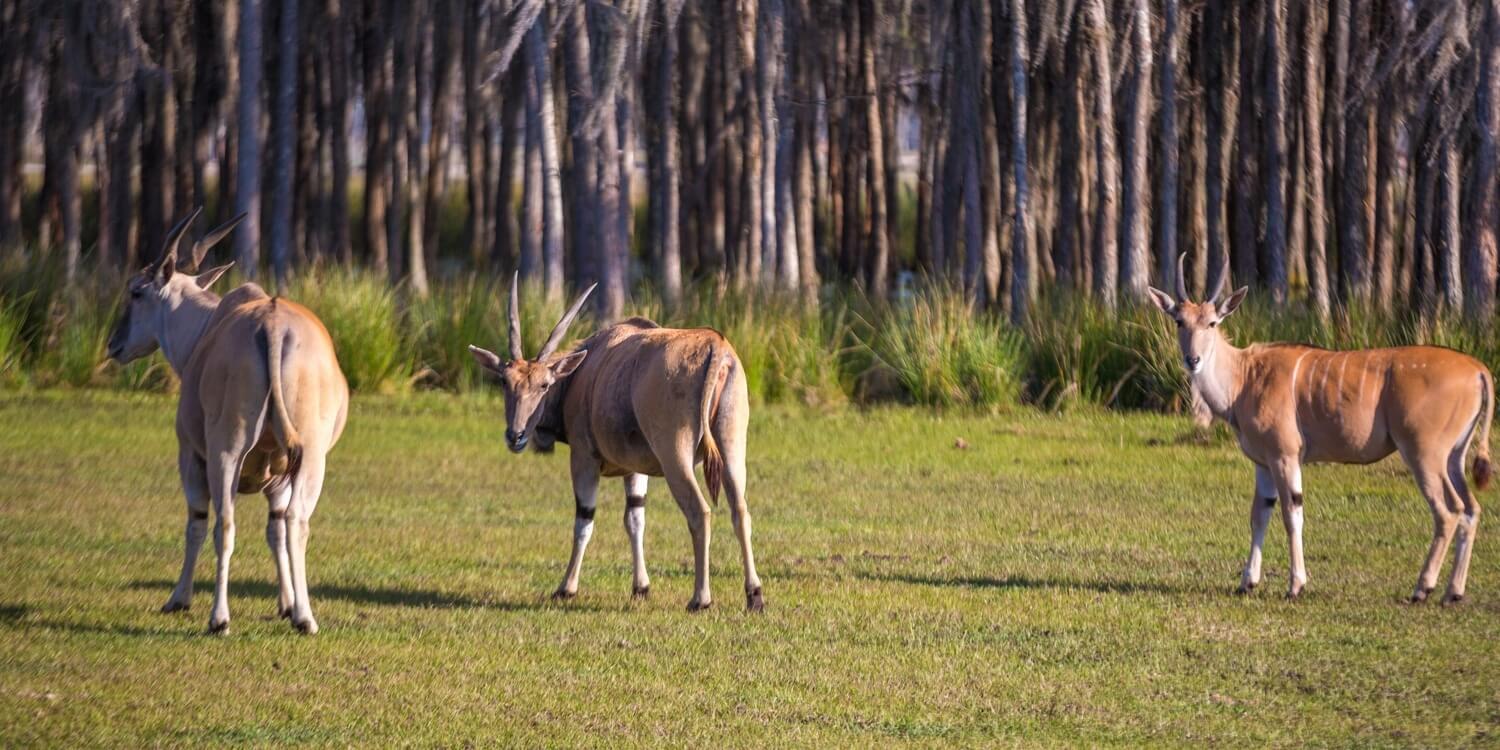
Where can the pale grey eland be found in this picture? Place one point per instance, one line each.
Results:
(263, 400)
(1291, 404)
(636, 400)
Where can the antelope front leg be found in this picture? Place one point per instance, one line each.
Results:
(1261, 504)
(585, 497)
(635, 528)
(195, 488)
(1289, 488)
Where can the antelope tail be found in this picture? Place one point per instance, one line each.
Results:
(716, 375)
(1482, 470)
(281, 421)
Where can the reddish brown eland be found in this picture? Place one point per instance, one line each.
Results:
(263, 400)
(636, 400)
(1291, 404)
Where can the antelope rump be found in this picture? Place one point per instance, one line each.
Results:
(263, 401)
(1291, 404)
(635, 400)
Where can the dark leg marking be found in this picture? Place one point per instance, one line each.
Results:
(583, 513)
(277, 514)
(631, 501)
(1296, 499)
(1270, 502)
(199, 515)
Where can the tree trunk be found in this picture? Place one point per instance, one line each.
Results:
(1022, 279)
(283, 135)
(1354, 282)
(879, 241)
(1480, 245)
(1313, 150)
(1276, 151)
(539, 97)
(1135, 236)
(1107, 216)
(1167, 150)
(666, 248)
(247, 187)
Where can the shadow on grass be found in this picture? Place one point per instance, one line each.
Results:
(388, 597)
(1025, 583)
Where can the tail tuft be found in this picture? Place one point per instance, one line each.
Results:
(1482, 471)
(713, 466)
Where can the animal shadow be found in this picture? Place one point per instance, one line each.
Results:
(1022, 582)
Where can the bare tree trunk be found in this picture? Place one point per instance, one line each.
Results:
(529, 264)
(247, 187)
(1354, 175)
(539, 99)
(879, 241)
(283, 135)
(1313, 149)
(1167, 150)
(586, 214)
(662, 158)
(1480, 245)
(1247, 200)
(1023, 278)
(1276, 150)
(446, 42)
(1106, 223)
(1135, 235)
(1450, 235)
(16, 61)
(1217, 50)
(1069, 242)
(341, 63)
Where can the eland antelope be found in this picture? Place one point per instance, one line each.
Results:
(263, 400)
(635, 400)
(1291, 404)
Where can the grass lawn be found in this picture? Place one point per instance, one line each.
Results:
(1062, 580)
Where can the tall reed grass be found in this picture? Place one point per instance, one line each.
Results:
(932, 347)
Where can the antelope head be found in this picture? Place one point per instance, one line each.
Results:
(159, 288)
(526, 382)
(1198, 322)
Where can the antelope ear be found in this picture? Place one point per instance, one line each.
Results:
(565, 366)
(1230, 305)
(486, 359)
(207, 278)
(1162, 300)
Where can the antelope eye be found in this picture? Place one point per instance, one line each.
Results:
(1213, 324)
(545, 386)
(136, 294)
(1178, 321)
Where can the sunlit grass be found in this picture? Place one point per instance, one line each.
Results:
(1061, 580)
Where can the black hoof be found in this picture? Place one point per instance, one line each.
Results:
(1245, 589)
(1420, 596)
(171, 607)
(1453, 599)
(754, 602)
(642, 592)
(218, 628)
(696, 606)
(562, 595)
(284, 613)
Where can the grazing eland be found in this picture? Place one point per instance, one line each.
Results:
(635, 400)
(263, 400)
(1291, 404)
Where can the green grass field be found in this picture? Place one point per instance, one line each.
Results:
(1062, 580)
